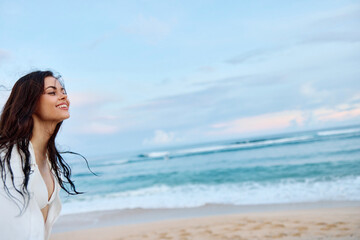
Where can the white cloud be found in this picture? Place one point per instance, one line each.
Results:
(339, 113)
(98, 128)
(286, 120)
(254, 55)
(161, 137)
(259, 123)
(80, 99)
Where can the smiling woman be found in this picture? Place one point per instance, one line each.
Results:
(53, 100)
(31, 167)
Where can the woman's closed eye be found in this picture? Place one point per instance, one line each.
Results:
(54, 93)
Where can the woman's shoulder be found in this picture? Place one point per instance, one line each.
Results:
(15, 157)
(16, 165)
(17, 154)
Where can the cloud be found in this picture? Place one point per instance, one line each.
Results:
(96, 113)
(341, 113)
(209, 91)
(81, 99)
(344, 15)
(161, 137)
(253, 80)
(252, 55)
(339, 25)
(101, 123)
(183, 101)
(98, 128)
(287, 119)
(259, 123)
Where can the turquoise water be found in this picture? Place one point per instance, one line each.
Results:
(312, 166)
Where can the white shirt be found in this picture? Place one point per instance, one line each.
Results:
(30, 224)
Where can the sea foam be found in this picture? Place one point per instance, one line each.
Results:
(251, 193)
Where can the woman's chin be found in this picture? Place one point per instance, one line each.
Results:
(62, 118)
(68, 116)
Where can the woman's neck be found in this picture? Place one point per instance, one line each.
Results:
(40, 137)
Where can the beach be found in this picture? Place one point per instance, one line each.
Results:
(325, 220)
(294, 186)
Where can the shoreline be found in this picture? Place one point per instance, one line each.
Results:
(111, 218)
(318, 221)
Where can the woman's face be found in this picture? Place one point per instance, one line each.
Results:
(53, 105)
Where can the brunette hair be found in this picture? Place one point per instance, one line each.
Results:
(16, 126)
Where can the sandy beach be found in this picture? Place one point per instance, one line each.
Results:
(292, 221)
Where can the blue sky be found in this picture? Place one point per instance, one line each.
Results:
(150, 74)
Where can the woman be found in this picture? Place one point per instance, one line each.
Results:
(31, 166)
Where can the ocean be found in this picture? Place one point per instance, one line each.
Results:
(312, 166)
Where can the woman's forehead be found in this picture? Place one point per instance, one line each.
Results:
(52, 81)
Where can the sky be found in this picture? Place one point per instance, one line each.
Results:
(155, 74)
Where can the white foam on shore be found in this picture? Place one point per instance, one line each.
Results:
(338, 132)
(227, 147)
(161, 196)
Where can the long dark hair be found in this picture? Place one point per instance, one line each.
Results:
(16, 126)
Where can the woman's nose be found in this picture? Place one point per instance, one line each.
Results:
(63, 96)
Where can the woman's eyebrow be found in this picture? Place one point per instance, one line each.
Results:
(51, 87)
(54, 88)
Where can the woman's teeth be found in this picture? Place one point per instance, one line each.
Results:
(62, 106)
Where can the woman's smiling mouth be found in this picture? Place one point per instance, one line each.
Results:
(62, 106)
